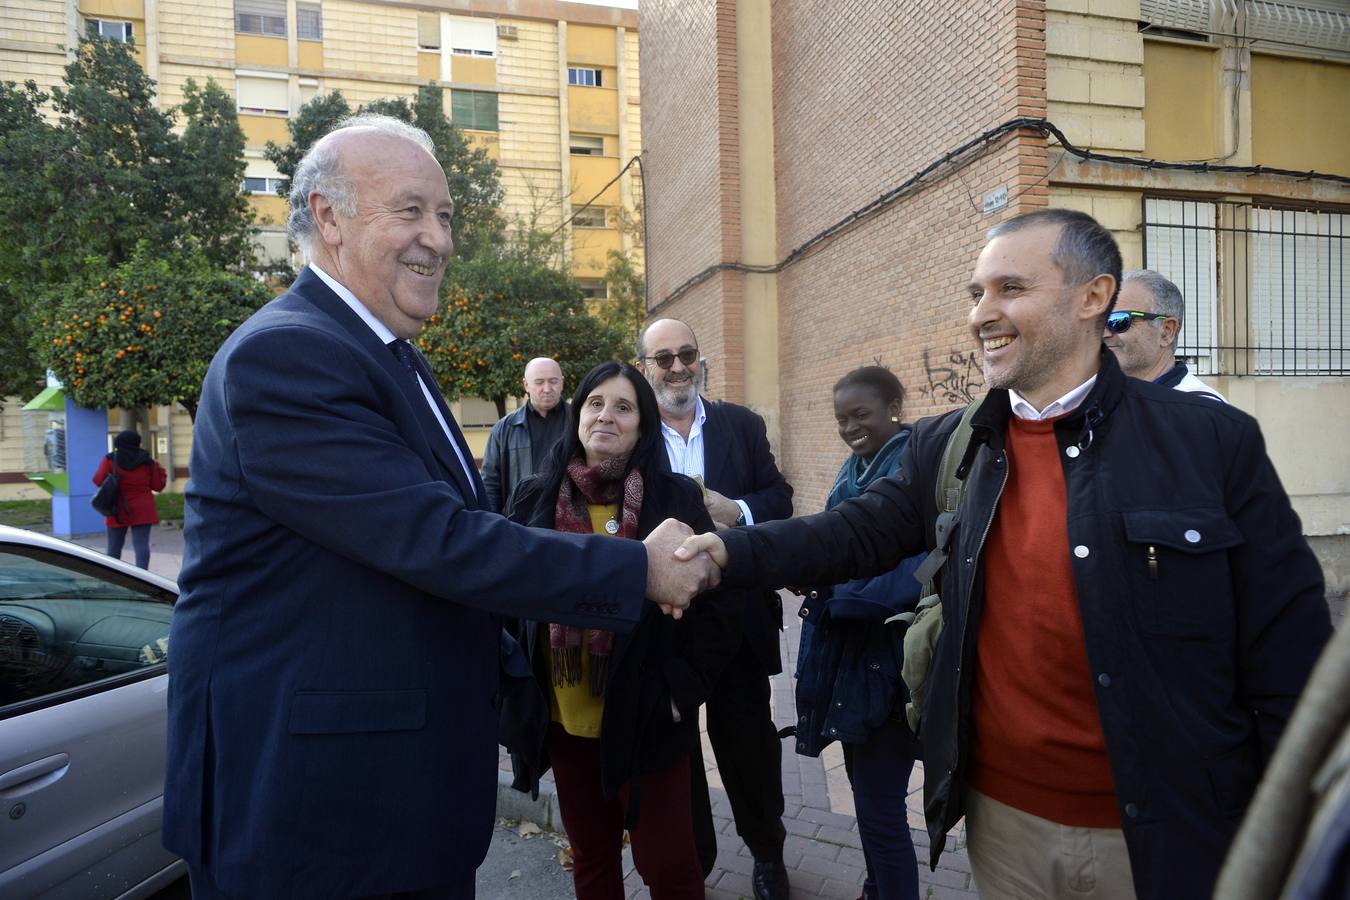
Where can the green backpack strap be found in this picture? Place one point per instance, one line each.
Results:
(925, 623)
(948, 491)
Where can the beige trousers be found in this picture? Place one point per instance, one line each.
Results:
(1017, 856)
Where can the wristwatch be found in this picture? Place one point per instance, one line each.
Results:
(740, 519)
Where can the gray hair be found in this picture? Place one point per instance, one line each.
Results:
(320, 172)
(1083, 251)
(1167, 299)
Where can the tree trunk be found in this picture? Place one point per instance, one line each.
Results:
(501, 406)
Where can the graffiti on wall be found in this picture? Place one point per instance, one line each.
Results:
(954, 377)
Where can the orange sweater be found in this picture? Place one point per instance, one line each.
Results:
(1036, 741)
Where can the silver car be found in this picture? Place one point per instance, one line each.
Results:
(83, 642)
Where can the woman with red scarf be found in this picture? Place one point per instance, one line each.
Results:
(617, 715)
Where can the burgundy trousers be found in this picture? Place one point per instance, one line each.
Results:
(663, 841)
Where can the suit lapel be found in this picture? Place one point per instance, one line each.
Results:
(716, 447)
(312, 288)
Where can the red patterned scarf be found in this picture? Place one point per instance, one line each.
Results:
(581, 486)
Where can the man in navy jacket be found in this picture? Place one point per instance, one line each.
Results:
(332, 721)
(1181, 606)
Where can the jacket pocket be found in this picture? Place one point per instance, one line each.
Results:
(1233, 776)
(1178, 567)
(355, 712)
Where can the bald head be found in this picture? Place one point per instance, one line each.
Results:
(543, 384)
(675, 382)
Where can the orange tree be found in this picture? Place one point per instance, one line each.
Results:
(499, 312)
(143, 332)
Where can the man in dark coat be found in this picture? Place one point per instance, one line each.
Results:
(1129, 609)
(332, 730)
(726, 448)
(520, 441)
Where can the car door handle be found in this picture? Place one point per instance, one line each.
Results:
(34, 775)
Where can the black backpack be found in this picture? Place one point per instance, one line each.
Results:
(107, 500)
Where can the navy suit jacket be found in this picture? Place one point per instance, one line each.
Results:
(738, 463)
(332, 686)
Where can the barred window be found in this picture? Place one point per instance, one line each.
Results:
(309, 21)
(1264, 285)
(265, 17)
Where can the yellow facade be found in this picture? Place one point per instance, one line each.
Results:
(1181, 83)
(1300, 114)
(369, 50)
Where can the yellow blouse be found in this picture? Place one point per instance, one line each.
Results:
(572, 705)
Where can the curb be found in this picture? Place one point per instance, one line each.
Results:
(512, 804)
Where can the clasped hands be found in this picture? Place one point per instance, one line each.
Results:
(681, 565)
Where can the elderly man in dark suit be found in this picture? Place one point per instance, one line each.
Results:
(727, 447)
(332, 690)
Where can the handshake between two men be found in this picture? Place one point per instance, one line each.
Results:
(681, 565)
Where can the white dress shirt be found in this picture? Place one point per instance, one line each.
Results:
(386, 336)
(686, 457)
(1066, 404)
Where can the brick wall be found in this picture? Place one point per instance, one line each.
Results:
(865, 94)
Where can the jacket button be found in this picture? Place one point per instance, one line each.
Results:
(1131, 810)
(834, 731)
(814, 595)
(805, 612)
(1192, 536)
(1072, 451)
(802, 720)
(1104, 680)
(874, 666)
(838, 705)
(1081, 551)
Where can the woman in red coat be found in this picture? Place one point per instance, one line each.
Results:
(138, 476)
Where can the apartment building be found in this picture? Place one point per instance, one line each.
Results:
(549, 88)
(820, 178)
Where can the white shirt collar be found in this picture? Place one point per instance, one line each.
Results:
(1066, 404)
(700, 416)
(381, 330)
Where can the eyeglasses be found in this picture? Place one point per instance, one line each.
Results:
(1120, 321)
(665, 359)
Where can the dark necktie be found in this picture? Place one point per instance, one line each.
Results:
(405, 354)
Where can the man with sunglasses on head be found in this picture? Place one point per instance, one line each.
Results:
(1129, 607)
(726, 448)
(1142, 332)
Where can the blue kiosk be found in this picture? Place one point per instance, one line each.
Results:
(74, 443)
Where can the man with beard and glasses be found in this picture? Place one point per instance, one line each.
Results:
(726, 448)
(1129, 607)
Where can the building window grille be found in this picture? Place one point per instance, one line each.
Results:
(582, 77)
(110, 30)
(586, 145)
(309, 21)
(590, 217)
(1265, 285)
(474, 109)
(265, 17)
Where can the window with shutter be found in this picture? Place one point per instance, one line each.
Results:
(259, 95)
(265, 17)
(473, 37)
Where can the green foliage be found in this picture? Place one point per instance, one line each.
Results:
(142, 333)
(107, 175)
(625, 309)
(475, 183)
(501, 311)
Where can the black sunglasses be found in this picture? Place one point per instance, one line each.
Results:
(1120, 321)
(665, 359)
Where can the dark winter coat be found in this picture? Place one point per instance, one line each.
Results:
(662, 659)
(1203, 608)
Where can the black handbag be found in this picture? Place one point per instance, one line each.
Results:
(107, 500)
